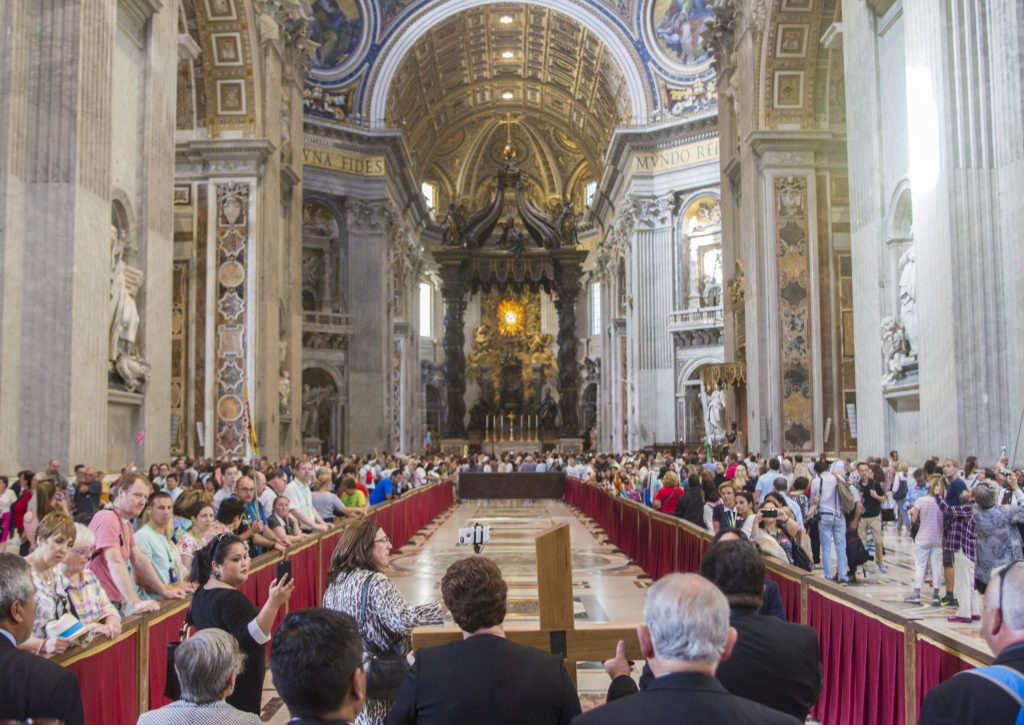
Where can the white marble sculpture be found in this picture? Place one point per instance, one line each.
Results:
(908, 298)
(122, 349)
(714, 414)
(284, 383)
(895, 351)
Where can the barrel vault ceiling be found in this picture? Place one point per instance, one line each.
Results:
(461, 80)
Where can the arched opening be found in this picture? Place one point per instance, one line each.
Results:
(322, 413)
(433, 411)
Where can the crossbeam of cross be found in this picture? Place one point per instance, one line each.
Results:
(557, 632)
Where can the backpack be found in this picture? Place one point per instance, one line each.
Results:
(846, 501)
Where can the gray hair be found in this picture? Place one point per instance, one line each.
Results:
(1013, 597)
(84, 537)
(985, 495)
(15, 583)
(688, 618)
(204, 663)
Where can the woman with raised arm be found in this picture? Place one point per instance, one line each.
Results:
(219, 569)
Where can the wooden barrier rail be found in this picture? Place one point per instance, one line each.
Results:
(124, 677)
(877, 664)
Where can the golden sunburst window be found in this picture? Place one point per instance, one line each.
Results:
(510, 318)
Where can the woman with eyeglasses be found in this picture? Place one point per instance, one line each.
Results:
(386, 618)
(87, 596)
(219, 569)
(54, 538)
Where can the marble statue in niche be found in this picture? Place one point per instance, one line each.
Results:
(714, 414)
(312, 396)
(895, 352)
(908, 298)
(126, 281)
(284, 383)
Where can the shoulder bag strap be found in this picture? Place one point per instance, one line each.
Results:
(362, 608)
(1011, 681)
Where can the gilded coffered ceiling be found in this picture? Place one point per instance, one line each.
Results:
(461, 80)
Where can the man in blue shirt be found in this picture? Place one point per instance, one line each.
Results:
(766, 481)
(384, 490)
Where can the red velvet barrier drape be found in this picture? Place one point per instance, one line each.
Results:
(863, 664)
(626, 535)
(690, 550)
(572, 492)
(161, 633)
(663, 548)
(327, 546)
(398, 533)
(107, 679)
(643, 541)
(934, 665)
(790, 590)
(305, 570)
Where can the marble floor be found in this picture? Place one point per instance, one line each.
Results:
(607, 586)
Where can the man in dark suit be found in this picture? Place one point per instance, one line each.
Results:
(316, 662)
(774, 662)
(685, 634)
(974, 697)
(30, 686)
(483, 677)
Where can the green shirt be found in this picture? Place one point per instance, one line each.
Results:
(354, 499)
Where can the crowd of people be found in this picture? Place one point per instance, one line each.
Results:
(964, 521)
(91, 550)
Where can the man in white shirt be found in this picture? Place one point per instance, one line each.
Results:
(301, 498)
(228, 477)
(265, 493)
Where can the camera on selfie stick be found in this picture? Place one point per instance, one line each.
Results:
(477, 535)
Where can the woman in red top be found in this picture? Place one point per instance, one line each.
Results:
(668, 494)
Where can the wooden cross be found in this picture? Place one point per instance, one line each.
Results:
(557, 632)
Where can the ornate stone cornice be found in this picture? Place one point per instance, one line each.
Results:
(228, 157)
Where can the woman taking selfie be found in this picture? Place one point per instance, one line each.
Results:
(219, 569)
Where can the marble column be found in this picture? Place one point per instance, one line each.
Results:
(232, 204)
(964, 115)
(63, 157)
(369, 353)
(650, 344)
(567, 286)
(453, 291)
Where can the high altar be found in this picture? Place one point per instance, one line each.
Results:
(510, 252)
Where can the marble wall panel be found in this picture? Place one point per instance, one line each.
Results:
(233, 237)
(794, 279)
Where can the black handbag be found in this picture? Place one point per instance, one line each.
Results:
(888, 515)
(385, 670)
(172, 688)
(799, 558)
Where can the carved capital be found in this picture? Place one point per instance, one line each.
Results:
(652, 212)
(367, 216)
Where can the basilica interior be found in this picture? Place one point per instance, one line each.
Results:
(340, 225)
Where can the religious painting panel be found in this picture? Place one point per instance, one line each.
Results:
(794, 274)
(675, 28)
(339, 27)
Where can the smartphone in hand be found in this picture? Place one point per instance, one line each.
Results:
(283, 567)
